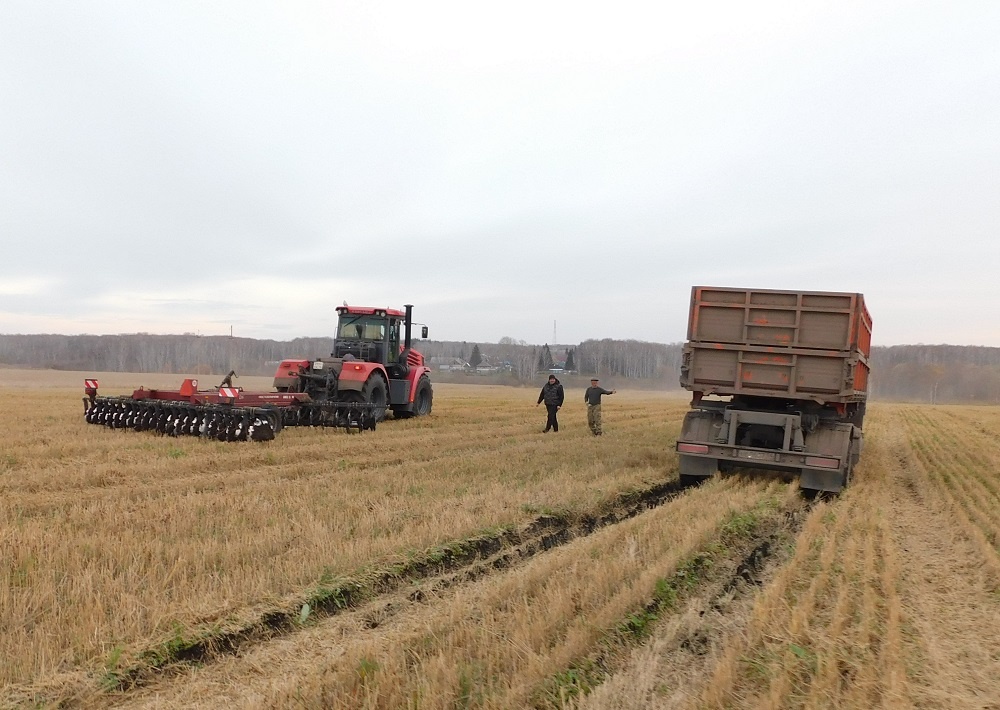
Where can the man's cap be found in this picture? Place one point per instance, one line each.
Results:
(552, 377)
(594, 379)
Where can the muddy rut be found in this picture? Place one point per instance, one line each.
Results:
(251, 666)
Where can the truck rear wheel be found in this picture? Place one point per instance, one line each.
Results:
(809, 493)
(688, 481)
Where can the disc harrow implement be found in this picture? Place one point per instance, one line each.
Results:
(225, 414)
(221, 422)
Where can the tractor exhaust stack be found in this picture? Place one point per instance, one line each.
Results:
(408, 325)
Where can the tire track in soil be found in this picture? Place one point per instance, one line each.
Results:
(743, 570)
(687, 642)
(447, 565)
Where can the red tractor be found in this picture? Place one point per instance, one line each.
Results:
(372, 363)
(372, 369)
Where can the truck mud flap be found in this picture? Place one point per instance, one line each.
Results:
(697, 466)
(826, 481)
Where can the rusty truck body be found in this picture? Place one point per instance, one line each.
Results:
(779, 381)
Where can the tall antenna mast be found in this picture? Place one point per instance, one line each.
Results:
(554, 339)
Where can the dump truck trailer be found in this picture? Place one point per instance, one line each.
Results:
(779, 381)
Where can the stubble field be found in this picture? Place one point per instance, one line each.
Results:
(467, 560)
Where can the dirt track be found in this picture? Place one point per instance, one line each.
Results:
(398, 618)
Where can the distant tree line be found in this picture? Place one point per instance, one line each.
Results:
(143, 352)
(924, 373)
(629, 359)
(936, 373)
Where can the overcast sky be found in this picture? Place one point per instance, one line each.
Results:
(175, 167)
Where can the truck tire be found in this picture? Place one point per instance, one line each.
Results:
(423, 400)
(809, 493)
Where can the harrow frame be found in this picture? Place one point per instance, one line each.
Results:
(229, 414)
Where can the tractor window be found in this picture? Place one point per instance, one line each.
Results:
(393, 354)
(362, 328)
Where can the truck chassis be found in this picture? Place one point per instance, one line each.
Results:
(721, 436)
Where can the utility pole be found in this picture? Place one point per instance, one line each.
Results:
(554, 339)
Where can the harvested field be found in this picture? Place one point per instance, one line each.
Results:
(467, 560)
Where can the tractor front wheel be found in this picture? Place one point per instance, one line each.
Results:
(374, 393)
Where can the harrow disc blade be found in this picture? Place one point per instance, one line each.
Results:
(170, 418)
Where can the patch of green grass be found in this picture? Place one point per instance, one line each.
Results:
(114, 657)
(470, 686)
(576, 681)
(441, 553)
(367, 668)
(758, 667)
(636, 625)
(665, 595)
(740, 525)
(341, 595)
(170, 649)
(805, 655)
(541, 509)
(112, 676)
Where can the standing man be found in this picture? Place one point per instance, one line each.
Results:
(593, 399)
(552, 394)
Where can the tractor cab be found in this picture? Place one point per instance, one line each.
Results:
(369, 334)
(378, 335)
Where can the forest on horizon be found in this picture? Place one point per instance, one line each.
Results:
(920, 373)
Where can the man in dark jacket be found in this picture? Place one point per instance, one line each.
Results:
(552, 395)
(593, 399)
